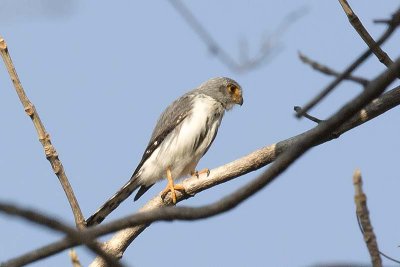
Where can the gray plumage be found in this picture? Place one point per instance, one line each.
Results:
(182, 135)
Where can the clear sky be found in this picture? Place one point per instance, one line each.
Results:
(100, 73)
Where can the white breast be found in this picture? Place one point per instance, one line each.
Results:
(177, 149)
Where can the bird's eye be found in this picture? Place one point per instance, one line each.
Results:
(231, 88)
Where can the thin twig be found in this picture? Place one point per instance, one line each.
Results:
(74, 258)
(360, 200)
(394, 22)
(54, 224)
(328, 71)
(362, 31)
(44, 137)
(306, 115)
(266, 48)
(251, 162)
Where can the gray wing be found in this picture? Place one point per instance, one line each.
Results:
(172, 117)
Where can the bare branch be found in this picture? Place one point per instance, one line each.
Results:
(73, 235)
(360, 200)
(394, 23)
(282, 162)
(44, 137)
(299, 147)
(328, 71)
(359, 27)
(251, 162)
(308, 116)
(266, 48)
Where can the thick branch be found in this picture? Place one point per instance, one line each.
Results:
(251, 162)
(360, 200)
(303, 143)
(44, 137)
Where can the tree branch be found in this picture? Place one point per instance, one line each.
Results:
(251, 162)
(44, 137)
(360, 200)
(299, 147)
(266, 48)
(54, 224)
(392, 25)
(328, 71)
(362, 31)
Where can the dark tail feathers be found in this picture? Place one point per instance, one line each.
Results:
(113, 202)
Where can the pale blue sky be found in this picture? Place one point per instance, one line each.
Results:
(100, 73)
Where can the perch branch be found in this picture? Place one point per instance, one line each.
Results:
(251, 162)
(44, 137)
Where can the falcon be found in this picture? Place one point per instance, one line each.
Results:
(182, 135)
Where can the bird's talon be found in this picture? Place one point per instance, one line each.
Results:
(172, 188)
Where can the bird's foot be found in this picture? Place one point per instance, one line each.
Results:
(198, 173)
(172, 188)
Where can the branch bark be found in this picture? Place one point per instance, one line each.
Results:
(44, 137)
(362, 31)
(360, 200)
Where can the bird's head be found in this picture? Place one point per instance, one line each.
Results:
(225, 90)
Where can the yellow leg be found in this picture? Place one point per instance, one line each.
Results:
(171, 187)
(198, 173)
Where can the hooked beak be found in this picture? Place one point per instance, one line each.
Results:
(238, 98)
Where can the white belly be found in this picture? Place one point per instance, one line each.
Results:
(178, 151)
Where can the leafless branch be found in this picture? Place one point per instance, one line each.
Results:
(362, 31)
(282, 162)
(360, 200)
(73, 235)
(328, 71)
(394, 23)
(306, 115)
(251, 162)
(44, 137)
(266, 48)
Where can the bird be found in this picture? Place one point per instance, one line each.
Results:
(183, 134)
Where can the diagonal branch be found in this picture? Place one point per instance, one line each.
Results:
(392, 25)
(255, 160)
(266, 48)
(360, 200)
(44, 137)
(328, 71)
(362, 31)
(298, 148)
